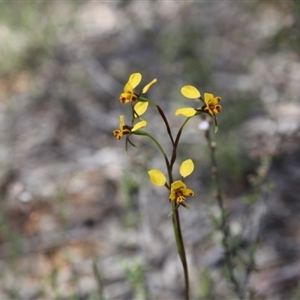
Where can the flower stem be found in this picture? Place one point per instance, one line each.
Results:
(176, 218)
(174, 154)
(180, 247)
(224, 218)
(163, 116)
(175, 215)
(140, 132)
(166, 123)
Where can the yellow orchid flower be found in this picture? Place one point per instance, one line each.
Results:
(211, 103)
(134, 80)
(125, 129)
(179, 191)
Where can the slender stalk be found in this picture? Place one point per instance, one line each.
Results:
(174, 154)
(166, 123)
(175, 215)
(162, 114)
(140, 132)
(224, 215)
(176, 218)
(180, 247)
(179, 242)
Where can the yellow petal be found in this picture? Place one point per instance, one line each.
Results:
(128, 88)
(215, 100)
(139, 125)
(135, 79)
(217, 109)
(157, 177)
(208, 97)
(186, 168)
(188, 192)
(118, 134)
(148, 86)
(122, 121)
(177, 185)
(185, 111)
(190, 92)
(140, 108)
(172, 196)
(125, 97)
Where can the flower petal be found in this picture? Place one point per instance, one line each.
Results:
(118, 134)
(140, 108)
(208, 97)
(188, 192)
(217, 109)
(126, 97)
(172, 196)
(190, 92)
(135, 79)
(122, 122)
(139, 125)
(148, 86)
(177, 185)
(157, 177)
(215, 100)
(128, 88)
(186, 168)
(186, 111)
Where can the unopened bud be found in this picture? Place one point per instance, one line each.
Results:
(213, 145)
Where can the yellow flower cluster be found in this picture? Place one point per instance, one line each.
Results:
(139, 105)
(130, 96)
(211, 104)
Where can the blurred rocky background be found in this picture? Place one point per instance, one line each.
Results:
(79, 219)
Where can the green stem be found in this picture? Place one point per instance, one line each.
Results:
(160, 111)
(175, 215)
(180, 247)
(174, 154)
(176, 218)
(140, 132)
